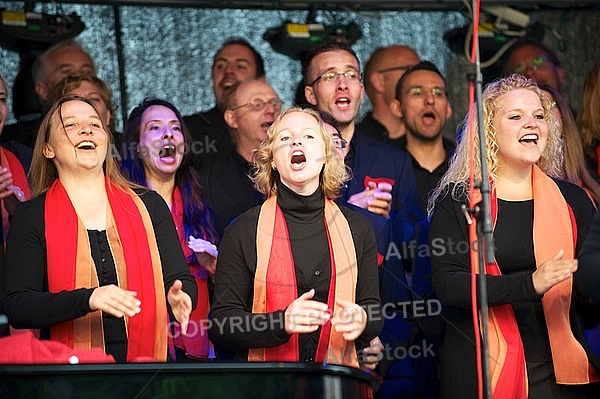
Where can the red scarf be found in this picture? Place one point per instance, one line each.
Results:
(133, 245)
(554, 228)
(275, 282)
(12, 163)
(196, 342)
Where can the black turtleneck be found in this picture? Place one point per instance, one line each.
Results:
(304, 216)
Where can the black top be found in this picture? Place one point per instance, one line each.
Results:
(516, 260)
(210, 136)
(236, 267)
(227, 188)
(30, 305)
(426, 180)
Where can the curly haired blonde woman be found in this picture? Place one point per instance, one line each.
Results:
(299, 271)
(539, 225)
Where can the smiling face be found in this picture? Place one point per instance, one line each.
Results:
(161, 145)
(232, 64)
(339, 97)
(521, 130)
(299, 152)
(79, 141)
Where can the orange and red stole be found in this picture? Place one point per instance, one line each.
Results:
(196, 343)
(135, 252)
(275, 282)
(554, 228)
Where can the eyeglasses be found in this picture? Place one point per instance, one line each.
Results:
(396, 68)
(258, 105)
(418, 92)
(536, 63)
(339, 142)
(351, 75)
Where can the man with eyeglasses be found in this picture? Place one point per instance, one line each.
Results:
(422, 103)
(250, 107)
(382, 187)
(535, 61)
(383, 69)
(235, 61)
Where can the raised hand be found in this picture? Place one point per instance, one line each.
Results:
(376, 198)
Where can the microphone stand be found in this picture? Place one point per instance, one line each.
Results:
(482, 214)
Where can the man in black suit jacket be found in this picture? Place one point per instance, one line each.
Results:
(235, 61)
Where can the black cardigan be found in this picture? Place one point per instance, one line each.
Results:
(28, 302)
(237, 265)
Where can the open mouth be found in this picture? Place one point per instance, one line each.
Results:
(529, 138)
(343, 101)
(86, 145)
(429, 115)
(266, 125)
(167, 151)
(298, 157)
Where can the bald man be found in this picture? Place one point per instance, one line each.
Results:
(382, 71)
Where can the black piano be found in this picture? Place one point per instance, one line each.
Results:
(185, 381)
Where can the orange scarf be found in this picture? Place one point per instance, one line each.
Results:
(554, 228)
(196, 342)
(275, 282)
(133, 245)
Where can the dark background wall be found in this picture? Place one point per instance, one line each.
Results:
(167, 52)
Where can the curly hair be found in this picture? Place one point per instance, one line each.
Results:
(457, 175)
(333, 175)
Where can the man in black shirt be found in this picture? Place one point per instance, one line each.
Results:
(251, 106)
(235, 61)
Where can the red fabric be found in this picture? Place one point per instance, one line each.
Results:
(377, 180)
(196, 343)
(281, 287)
(24, 348)
(12, 163)
(61, 223)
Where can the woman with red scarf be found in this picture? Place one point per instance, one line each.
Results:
(13, 182)
(297, 277)
(159, 158)
(536, 313)
(93, 260)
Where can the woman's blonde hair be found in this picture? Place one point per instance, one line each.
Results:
(458, 170)
(334, 172)
(43, 172)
